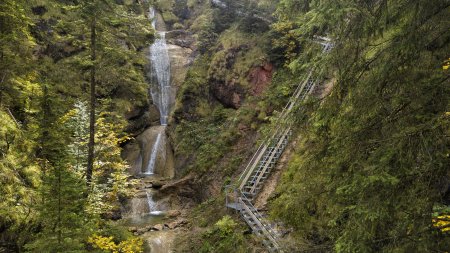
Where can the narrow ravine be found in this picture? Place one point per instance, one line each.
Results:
(150, 214)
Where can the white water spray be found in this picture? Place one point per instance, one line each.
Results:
(152, 204)
(151, 164)
(160, 72)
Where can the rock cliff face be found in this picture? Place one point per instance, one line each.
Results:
(144, 121)
(227, 89)
(260, 77)
(139, 151)
(231, 93)
(140, 118)
(179, 45)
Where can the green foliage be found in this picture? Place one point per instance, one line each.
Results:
(19, 179)
(106, 244)
(210, 139)
(16, 44)
(110, 179)
(43, 74)
(226, 226)
(366, 172)
(62, 191)
(78, 123)
(224, 237)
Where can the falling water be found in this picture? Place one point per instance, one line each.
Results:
(152, 15)
(152, 204)
(160, 72)
(151, 164)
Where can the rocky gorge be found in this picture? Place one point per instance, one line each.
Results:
(150, 155)
(143, 126)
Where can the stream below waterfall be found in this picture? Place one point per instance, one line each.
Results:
(147, 217)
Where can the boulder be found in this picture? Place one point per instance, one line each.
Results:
(137, 124)
(157, 184)
(183, 187)
(141, 231)
(177, 224)
(172, 225)
(132, 229)
(173, 213)
(157, 227)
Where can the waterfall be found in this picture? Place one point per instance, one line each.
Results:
(152, 16)
(152, 204)
(160, 90)
(160, 72)
(151, 164)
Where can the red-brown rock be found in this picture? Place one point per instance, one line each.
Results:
(260, 77)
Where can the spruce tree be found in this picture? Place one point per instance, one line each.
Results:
(372, 158)
(62, 192)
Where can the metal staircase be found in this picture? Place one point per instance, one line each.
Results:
(265, 159)
(259, 225)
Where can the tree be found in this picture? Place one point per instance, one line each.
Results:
(110, 180)
(367, 173)
(62, 192)
(93, 45)
(45, 64)
(114, 34)
(16, 43)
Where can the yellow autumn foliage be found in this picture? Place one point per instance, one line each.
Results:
(446, 64)
(442, 222)
(107, 244)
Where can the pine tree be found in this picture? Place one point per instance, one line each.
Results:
(62, 191)
(115, 33)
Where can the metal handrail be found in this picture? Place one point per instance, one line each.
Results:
(252, 164)
(269, 235)
(282, 132)
(256, 212)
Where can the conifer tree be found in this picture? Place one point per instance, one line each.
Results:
(62, 191)
(114, 35)
(373, 155)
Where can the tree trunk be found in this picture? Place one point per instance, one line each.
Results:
(90, 163)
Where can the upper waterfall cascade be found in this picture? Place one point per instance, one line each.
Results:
(161, 92)
(160, 72)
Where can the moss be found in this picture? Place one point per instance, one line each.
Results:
(217, 231)
(178, 26)
(164, 5)
(169, 17)
(203, 21)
